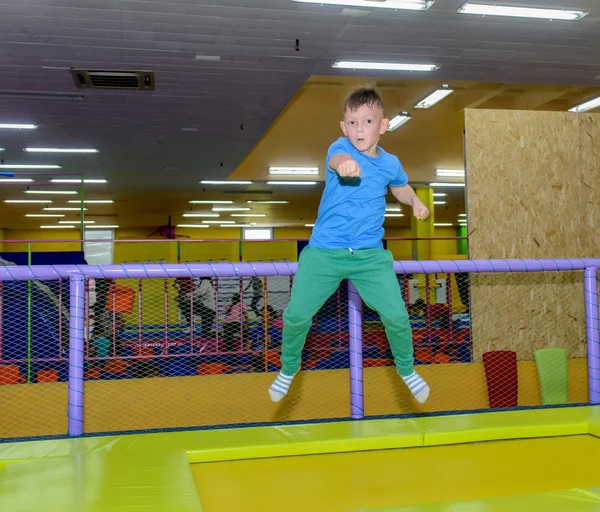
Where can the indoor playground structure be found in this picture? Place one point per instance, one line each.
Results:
(512, 422)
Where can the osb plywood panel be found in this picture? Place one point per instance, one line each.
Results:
(532, 192)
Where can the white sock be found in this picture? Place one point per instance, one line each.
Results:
(280, 387)
(417, 386)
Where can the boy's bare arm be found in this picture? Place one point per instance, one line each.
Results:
(343, 164)
(406, 195)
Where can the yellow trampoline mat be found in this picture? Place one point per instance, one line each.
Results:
(405, 477)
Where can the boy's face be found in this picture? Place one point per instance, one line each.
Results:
(363, 127)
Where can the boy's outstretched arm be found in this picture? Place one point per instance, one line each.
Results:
(344, 166)
(406, 195)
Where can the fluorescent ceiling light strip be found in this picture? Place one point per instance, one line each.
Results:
(72, 180)
(231, 209)
(435, 97)
(293, 170)
(102, 226)
(212, 182)
(268, 202)
(2, 149)
(218, 221)
(50, 191)
(29, 166)
(412, 5)
(309, 225)
(586, 105)
(236, 225)
(299, 183)
(450, 172)
(211, 202)
(393, 215)
(58, 227)
(61, 209)
(16, 180)
(398, 120)
(439, 194)
(393, 209)
(90, 201)
(58, 150)
(383, 66)
(44, 215)
(192, 226)
(201, 215)
(440, 224)
(462, 214)
(76, 222)
(18, 126)
(520, 12)
(440, 202)
(446, 184)
(248, 214)
(29, 201)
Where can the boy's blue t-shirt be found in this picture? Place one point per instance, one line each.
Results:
(351, 210)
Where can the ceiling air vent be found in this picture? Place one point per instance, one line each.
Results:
(106, 79)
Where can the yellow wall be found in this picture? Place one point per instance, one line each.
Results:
(39, 409)
(1, 239)
(42, 234)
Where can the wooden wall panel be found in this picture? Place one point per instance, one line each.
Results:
(532, 192)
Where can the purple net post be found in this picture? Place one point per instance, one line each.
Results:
(76, 355)
(590, 290)
(357, 397)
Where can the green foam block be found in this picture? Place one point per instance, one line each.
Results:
(553, 373)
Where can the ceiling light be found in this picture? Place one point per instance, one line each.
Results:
(63, 209)
(393, 209)
(236, 225)
(248, 214)
(446, 184)
(438, 95)
(90, 201)
(393, 215)
(72, 180)
(300, 183)
(57, 227)
(76, 222)
(2, 149)
(50, 191)
(462, 214)
(413, 5)
(457, 173)
(211, 182)
(44, 215)
(21, 166)
(200, 214)
(440, 224)
(207, 57)
(18, 126)
(58, 150)
(30, 201)
(439, 194)
(383, 66)
(218, 221)
(398, 120)
(231, 209)
(211, 202)
(309, 225)
(16, 180)
(268, 202)
(192, 226)
(520, 12)
(293, 170)
(440, 202)
(590, 104)
(102, 226)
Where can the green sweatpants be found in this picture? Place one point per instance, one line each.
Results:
(319, 274)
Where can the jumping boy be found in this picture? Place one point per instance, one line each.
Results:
(346, 242)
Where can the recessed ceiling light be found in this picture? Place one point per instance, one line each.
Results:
(309, 225)
(293, 170)
(102, 226)
(90, 201)
(520, 12)
(50, 191)
(16, 180)
(413, 5)
(218, 221)
(248, 214)
(71, 180)
(58, 227)
(398, 120)
(393, 215)
(440, 202)
(63, 209)
(462, 214)
(212, 182)
(268, 202)
(393, 209)
(200, 214)
(439, 194)
(383, 66)
(211, 202)
(2, 149)
(446, 184)
(236, 225)
(299, 183)
(590, 104)
(231, 209)
(454, 173)
(436, 96)
(192, 226)
(23, 166)
(207, 57)
(58, 150)
(18, 126)
(440, 224)
(29, 201)
(44, 215)
(76, 222)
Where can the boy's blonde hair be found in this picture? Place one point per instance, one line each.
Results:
(366, 95)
